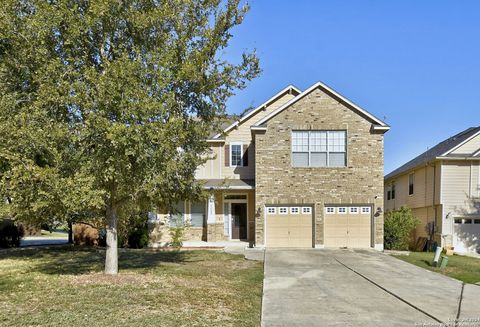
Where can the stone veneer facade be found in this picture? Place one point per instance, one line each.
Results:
(360, 182)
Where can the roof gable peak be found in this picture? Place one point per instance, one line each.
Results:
(290, 89)
(331, 92)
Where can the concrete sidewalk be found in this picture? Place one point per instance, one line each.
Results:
(232, 247)
(358, 288)
(39, 241)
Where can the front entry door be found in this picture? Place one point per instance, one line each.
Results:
(239, 220)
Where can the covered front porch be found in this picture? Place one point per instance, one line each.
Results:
(228, 215)
(230, 210)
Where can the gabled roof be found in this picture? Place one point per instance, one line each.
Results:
(378, 123)
(441, 150)
(289, 89)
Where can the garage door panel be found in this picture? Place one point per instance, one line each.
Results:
(466, 236)
(350, 228)
(335, 230)
(288, 230)
(359, 227)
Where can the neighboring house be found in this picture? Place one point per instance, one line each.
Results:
(442, 187)
(303, 169)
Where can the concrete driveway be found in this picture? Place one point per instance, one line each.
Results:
(360, 288)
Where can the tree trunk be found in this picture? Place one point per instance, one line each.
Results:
(70, 232)
(111, 258)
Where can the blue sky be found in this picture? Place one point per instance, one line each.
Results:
(416, 63)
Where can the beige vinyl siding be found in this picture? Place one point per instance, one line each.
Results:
(460, 188)
(470, 147)
(216, 169)
(423, 194)
(425, 215)
(213, 167)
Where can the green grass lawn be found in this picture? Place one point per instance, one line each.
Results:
(464, 268)
(66, 287)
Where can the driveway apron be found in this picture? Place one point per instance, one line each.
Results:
(356, 288)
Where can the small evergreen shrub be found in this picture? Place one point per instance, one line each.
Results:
(10, 234)
(138, 238)
(177, 229)
(398, 228)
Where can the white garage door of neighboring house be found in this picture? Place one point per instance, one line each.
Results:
(348, 226)
(466, 236)
(288, 226)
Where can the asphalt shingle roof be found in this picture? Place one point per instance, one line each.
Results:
(436, 151)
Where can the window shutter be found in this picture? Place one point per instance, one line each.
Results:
(227, 155)
(245, 155)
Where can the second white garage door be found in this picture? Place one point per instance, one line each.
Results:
(348, 226)
(288, 226)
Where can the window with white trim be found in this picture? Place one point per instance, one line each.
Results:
(342, 210)
(330, 210)
(271, 210)
(197, 214)
(294, 210)
(283, 210)
(365, 209)
(353, 210)
(319, 148)
(411, 182)
(236, 152)
(176, 218)
(306, 210)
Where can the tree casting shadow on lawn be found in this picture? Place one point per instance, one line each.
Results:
(81, 260)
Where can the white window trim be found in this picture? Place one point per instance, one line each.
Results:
(306, 210)
(327, 152)
(330, 213)
(241, 154)
(413, 184)
(283, 213)
(294, 213)
(274, 210)
(342, 213)
(368, 210)
(352, 212)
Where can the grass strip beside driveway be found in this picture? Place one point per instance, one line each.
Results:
(466, 269)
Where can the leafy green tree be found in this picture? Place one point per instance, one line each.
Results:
(106, 104)
(398, 228)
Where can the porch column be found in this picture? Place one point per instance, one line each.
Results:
(211, 210)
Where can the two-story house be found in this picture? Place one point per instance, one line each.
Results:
(303, 169)
(442, 187)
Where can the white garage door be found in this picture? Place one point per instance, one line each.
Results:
(466, 236)
(348, 226)
(288, 226)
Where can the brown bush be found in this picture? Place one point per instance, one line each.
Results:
(85, 234)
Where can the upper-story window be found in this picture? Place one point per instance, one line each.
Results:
(411, 182)
(236, 154)
(319, 148)
(391, 192)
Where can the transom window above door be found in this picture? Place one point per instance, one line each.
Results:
(319, 148)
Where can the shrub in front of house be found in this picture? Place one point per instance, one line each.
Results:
(177, 229)
(398, 228)
(138, 238)
(10, 234)
(85, 234)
